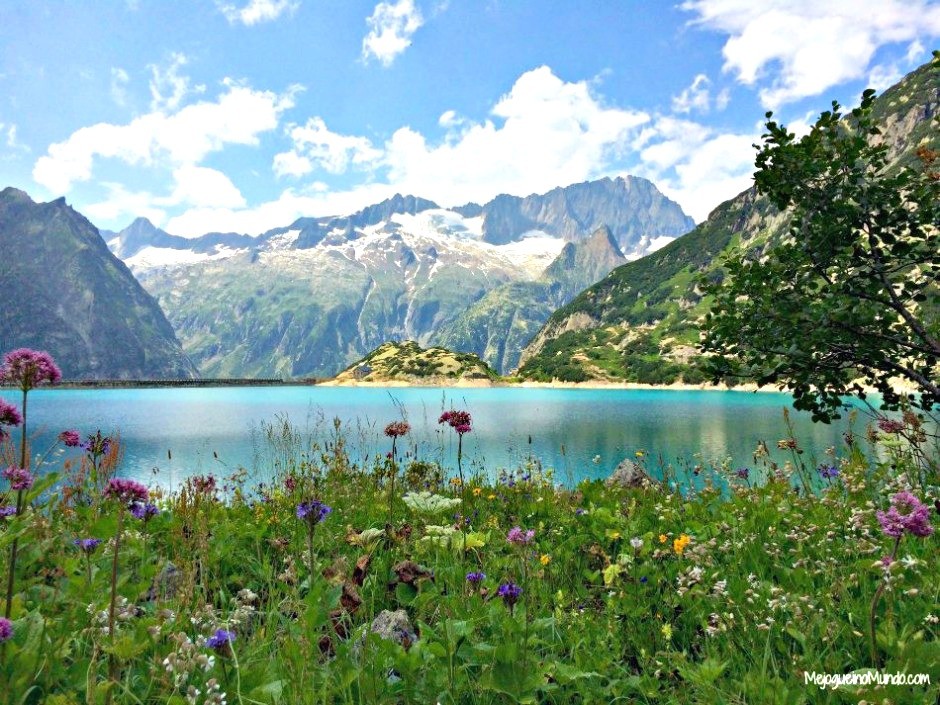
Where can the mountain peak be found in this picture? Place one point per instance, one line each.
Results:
(14, 194)
(93, 297)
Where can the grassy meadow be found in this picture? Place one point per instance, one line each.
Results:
(337, 583)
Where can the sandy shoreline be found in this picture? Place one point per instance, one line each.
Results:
(594, 384)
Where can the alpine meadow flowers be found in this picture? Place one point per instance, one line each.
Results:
(25, 369)
(302, 587)
(907, 514)
(311, 512)
(461, 423)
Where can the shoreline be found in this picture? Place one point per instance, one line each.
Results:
(430, 383)
(595, 384)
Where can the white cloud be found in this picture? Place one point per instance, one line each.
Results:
(291, 164)
(168, 87)
(552, 133)
(391, 26)
(316, 145)
(196, 188)
(257, 11)
(8, 138)
(203, 187)
(695, 97)
(695, 165)
(805, 47)
(543, 133)
(883, 76)
(289, 206)
(122, 203)
(119, 81)
(238, 116)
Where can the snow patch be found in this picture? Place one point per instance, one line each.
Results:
(151, 256)
(284, 240)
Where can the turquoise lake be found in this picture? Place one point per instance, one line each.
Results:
(170, 434)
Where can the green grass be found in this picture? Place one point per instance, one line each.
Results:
(772, 583)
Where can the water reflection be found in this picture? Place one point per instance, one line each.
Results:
(180, 432)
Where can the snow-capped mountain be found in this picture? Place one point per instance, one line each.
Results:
(309, 298)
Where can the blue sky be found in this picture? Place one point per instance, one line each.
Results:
(241, 115)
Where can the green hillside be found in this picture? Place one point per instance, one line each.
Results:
(641, 322)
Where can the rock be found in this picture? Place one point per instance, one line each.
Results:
(394, 626)
(629, 474)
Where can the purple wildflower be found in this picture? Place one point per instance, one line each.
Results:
(20, 478)
(126, 491)
(6, 629)
(29, 368)
(97, 445)
(476, 577)
(6, 511)
(9, 414)
(743, 473)
(313, 511)
(145, 511)
(70, 438)
(906, 513)
(828, 472)
(580, 511)
(87, 545)
(204, 484)
(519, 536)
(397, 428)
(890, 425)
(460, 421)
(510, 592)
(221, 641)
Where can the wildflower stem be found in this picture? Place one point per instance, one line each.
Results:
(459, 460)
(14, 548)
(391, 484)
(310, 556)
(23, 458)
(112, 661)
(874, 605)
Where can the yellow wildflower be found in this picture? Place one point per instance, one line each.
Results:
(491, 496)
(666, 631)
(679, 544)
(545, 559)
(640, 454)
(456, 481)
(663, 538)
(477, 491)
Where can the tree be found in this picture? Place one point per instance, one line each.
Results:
(851, 296)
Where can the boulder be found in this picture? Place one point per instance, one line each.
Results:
(629, 474)
(394, 626)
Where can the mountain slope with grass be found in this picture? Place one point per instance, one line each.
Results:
(641, 322)
(67, 294)
(497, 326)
(312, 297)
(408, 362)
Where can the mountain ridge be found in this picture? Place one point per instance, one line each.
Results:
(77, 300)
(400, 269)
(641, 322)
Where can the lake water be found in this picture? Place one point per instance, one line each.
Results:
(170, 434)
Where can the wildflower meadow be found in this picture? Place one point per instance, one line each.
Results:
(403, 581)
